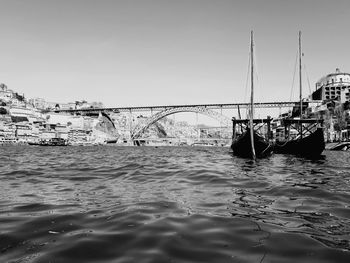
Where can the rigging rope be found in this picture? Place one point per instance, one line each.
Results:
(256, 71)
(308, 80)
(246, 83)
(295, 68)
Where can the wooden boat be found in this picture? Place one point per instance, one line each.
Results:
(241, 144)
(340, 146)
(310, 139)
(53, 142)
(250, 144)
(311, 145)
(110, 141)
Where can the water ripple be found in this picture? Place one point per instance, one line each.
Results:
(168, 204)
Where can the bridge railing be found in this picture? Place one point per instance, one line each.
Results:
(283, 104)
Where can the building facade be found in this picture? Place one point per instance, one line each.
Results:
(334, 86)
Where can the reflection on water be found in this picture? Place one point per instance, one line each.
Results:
(168, 204)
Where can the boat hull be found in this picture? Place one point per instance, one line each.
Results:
(242, 146)
(309, 146)
(53, 142)
(341, 146)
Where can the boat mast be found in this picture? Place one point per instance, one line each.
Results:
(300, 87)
(251, 124)
(300, 83)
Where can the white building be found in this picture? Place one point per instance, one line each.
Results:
(334, 86)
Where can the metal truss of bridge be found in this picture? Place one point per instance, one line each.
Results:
(142, 127)
(166, 107)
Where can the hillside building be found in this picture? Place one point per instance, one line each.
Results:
(334, 86)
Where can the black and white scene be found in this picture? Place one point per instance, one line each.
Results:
(183, 131)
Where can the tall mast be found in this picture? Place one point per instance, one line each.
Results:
(252, 94)
(300, 82)
(300, 87)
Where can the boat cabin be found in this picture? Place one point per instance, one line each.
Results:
(261, 126)
(297, 128)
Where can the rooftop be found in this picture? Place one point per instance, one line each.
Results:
(337, 72)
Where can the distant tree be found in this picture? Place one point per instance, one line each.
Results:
(160, 130)
(96, 105)
(3, 111)
(19, 97)
(340, 123)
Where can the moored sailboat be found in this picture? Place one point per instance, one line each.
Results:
(311, 145)
(242, 145)
(250, 144)
(309, 141)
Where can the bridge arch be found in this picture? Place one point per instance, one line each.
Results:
(142, 127)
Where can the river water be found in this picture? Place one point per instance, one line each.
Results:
(169, 204)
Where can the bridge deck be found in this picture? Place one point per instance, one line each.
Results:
(283, 104)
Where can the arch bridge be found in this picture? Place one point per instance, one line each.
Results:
(142, 127)
(165, 110)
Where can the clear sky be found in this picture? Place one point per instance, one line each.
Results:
(152, 52)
